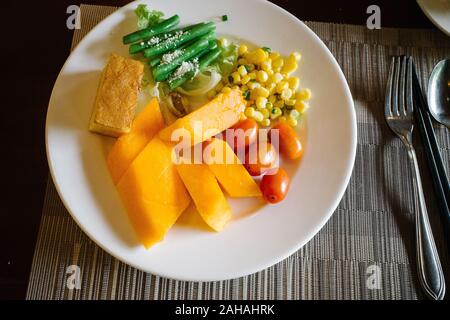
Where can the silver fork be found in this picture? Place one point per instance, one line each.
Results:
(399, 117)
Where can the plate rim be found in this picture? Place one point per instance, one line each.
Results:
(289, 251)
(437, 24)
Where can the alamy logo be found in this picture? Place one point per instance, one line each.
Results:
(74, 20)
(74, 278)
(374, 20)
(373, 281)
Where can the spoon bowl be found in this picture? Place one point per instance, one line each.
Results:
(439, 93)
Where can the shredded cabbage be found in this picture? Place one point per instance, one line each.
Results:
(147, 17)
(201, 83)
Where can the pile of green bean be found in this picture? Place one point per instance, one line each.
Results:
(168, 48)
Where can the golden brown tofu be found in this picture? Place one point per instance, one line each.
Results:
(116, 99)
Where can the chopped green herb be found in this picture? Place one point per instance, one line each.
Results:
(147, 17)
(252, 80)
(246, 95)
(224, 17)
(267, 49)
(247, 67)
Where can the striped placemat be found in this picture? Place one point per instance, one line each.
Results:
(366, 250)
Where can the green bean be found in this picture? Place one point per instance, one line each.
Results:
(204, 62)
(161, 72)
(175, 42)
(146, 33)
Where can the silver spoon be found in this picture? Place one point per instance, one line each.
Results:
(439, 93)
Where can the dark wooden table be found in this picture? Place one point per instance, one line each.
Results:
(35, 43)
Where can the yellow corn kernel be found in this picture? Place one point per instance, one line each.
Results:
(262, 92)
(282, 85)
(270, 72)
(271, 87)
(277, 77)
(297, 55)
(244, 88)
(245, 79)
(290, 65)
(262, 76)
(265, 113)
(276, 113)
(235, 87)
(290, 102)
(226, 90)
(249, 112)
(211, 94)
(242, 61)
(269, 106)
(278, 63)
(279, 104)
(274, 55)
(258, 116)
(294, 83)
(294, 114)
(242, 49)
(266, 122)
(286, 94)
(236, 77)
(261, 102)
(242, 116)
(282, 119)
(259, 55)
(292, 122)
(301, 106)
(252, 85)
(266, 65)
(272, 99)
(242, 71)
(252, 75)
(304, 94)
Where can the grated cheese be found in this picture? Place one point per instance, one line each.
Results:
(185, 67)
(169, 57)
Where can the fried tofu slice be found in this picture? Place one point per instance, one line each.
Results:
(117, 94)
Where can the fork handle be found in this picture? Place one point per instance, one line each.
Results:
(429, 266)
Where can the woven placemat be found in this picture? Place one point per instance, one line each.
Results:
(371, 230)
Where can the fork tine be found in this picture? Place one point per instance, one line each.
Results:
(395, 92)
(409, 86)
(388, 102)
(402, 86)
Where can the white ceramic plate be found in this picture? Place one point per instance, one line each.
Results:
(251, 242)
(438, 11)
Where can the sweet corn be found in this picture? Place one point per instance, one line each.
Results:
(252, 85)
(265, 122)
(294, 114)
(269, 106)
(297, 55)
(282, 85)
(236, 77)
(242, 71)
(226, 90)
(277, 77)
(265, 113)
(272, 99)
(279, 104)
(294, 83)
(257, 56)
(274, 55)
(242, 61)
(290, 65)
(301, 106)
(292, 122)
(250, 112)
(252, 75)
(235, 87)
(278, 63)
(262, 76)
(270, 72)
(242, 116)
(290, 102)
(304, 94)
(271, 87)
(262, 92)
(261, 102)
(245, 79)
(286, 94)
(258, 116)
(266, 65)
(276, 112)
(244, 88)
(242, 49)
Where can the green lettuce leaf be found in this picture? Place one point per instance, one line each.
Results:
(147, 17)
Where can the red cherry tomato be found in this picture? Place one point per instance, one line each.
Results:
(261, 162)
(242, 134)
(275, 187)
(289, 143)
